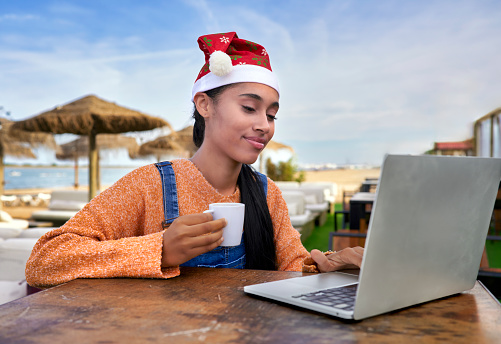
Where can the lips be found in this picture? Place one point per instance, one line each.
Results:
(256, 142)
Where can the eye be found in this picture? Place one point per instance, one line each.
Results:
(248, 108)
(271, 118)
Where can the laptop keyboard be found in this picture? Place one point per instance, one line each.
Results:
(340, 297)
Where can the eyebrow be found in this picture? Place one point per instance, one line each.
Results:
(258, 97)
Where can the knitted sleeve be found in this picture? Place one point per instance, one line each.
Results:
(117, 234)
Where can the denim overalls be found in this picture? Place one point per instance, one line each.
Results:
(220, 257)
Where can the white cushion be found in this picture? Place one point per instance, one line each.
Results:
(53, 215)
(292, 208)
(59, 204)
(12, 290)
(301, 220)
(310, 199)
(15, 223)
(24, 244)
(5, 217)
(14, 254)
(318, 208)
(7, 233)
(36, 232)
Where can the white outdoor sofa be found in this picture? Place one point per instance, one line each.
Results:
(301, 218)
(314, 197)
(330, 191)
(64, 204)
(14, 253)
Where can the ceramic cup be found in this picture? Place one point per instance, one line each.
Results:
(234, 215)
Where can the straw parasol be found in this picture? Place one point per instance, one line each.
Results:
(185, 138)
(91, 116)
(165, 145)
(75, 149)
(17, 143)
(272, 145)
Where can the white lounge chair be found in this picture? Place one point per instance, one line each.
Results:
(315, 202)
(301, 218)
(64, 204)
(7, 222)
(14, 254)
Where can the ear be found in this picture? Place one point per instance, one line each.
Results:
(202, 103)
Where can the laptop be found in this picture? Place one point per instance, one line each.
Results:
(425, 240)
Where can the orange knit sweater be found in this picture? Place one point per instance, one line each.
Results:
(119, 233)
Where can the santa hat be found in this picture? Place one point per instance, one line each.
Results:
(229, 59)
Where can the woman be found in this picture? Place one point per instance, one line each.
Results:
(151, 221)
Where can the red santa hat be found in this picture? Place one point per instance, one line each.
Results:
(229, 59)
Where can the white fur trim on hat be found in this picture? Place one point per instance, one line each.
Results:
(239, 73)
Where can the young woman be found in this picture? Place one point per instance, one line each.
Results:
(151, 221)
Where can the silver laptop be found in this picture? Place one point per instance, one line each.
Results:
(425, 240)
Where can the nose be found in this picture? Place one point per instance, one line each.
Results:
(261, 123)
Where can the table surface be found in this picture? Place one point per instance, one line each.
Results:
(209, 305)
(366, 197)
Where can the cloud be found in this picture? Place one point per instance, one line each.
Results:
(361, 79)
(17, 17)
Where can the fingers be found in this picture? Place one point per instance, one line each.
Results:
(352, 255)
(194, 225)
(196, 251)
(322, 261)
(347, 258)
(207, 240)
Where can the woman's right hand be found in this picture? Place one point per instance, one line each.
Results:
(190, 236)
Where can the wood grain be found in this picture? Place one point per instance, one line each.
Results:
(209, 306)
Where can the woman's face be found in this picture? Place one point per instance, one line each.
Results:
(241, 121)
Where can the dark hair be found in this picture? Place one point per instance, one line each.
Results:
(258, 227)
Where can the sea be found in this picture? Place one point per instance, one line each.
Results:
(58, 177)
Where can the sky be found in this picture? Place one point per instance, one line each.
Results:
(358, 79)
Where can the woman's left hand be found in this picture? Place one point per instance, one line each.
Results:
(348, 258)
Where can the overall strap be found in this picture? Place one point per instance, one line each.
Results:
(171, 206)
(264, 182)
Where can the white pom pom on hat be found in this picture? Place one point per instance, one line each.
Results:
(220, 63)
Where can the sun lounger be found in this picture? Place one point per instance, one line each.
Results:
(8, 224)
(14, 254)
(9, 200)
(35, 232)
(64, 204)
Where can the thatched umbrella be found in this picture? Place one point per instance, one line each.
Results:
(165, 145)
(178, 143)
(80, 147)
(91, 116)
(17, 143)
(185, 138)
(272, 145)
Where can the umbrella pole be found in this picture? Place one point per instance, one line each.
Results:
(92, 165)
(76, 171)
(2, 174)
(98, 173)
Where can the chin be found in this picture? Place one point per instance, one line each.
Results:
(249, 159)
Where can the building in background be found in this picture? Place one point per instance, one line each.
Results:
(487, 135)
(461, 148)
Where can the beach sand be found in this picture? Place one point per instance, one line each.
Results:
(346, 179)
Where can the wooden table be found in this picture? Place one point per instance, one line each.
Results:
(206, 305)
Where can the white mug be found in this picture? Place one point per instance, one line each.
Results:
(234, 214)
